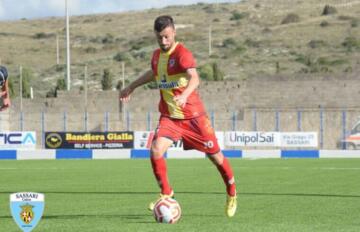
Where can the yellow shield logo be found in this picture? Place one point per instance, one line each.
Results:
(27, 213)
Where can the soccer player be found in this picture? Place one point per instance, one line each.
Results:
(4, 86)
(182, 112)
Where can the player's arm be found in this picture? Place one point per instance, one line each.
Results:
(193, 83)
(125, 93)
(5, 96)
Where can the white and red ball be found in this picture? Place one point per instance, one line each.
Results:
(167, 210)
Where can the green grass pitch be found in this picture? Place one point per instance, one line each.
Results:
(112, 195)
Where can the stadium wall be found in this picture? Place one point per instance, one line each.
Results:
(265, 104)
(143, 154)
(332, 125)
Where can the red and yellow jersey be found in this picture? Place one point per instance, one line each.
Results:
(169, 69)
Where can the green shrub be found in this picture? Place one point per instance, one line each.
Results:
(323, 61)
(229, 43)
(60, 84)
(345, 17)
(277, 67)
(209, 9)
(240, 49)
(51, 93)
(206, 72)
(211, 72)
(27, 76)
(42, 35)
(354, 23)
(348, 69)
(218, 74)
(238, 16)
(119, 84)
(11, 87)
(304, 59)
(321, 64)
(328, 10)
(60, 67)
(252, 43)
(106, 81)
(123, 57)
(324, 24)
(90, 50)
(140, 54)
(351, 43)
(108, 38)
(291, 18)
(90, 20)
(316, 43)
(97, 39)
(141, 43)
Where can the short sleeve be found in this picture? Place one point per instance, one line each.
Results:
(186, 60)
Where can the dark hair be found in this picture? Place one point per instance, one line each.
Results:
(3, 75)
(163, 22)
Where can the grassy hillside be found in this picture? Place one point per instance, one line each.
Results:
(249, 38)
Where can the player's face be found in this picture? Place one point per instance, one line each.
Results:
(166, 38)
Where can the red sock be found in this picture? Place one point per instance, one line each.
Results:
(160, 172)
(228, 177)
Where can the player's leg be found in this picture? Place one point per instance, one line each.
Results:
(224, 168)
(200, 135)
(166, 133)
(158, 163)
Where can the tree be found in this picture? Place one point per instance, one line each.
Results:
(211, 72)
(11, 87)
(218, 74)
(328, 10)
(206, 72)
(26, 79)
(106, 82)
(60, 84)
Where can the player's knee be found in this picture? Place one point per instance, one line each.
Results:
(217, 158)
(156, 151)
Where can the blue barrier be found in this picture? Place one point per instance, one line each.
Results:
(299, 154)
(141, 154)
(7, 154)
(73, 154)
(232, 153)
(145, 154)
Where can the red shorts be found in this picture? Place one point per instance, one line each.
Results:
(196, 133)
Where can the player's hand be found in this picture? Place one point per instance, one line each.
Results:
(6, 104)
(124, 95)
(180, 100)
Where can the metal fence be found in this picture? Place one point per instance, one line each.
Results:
(332, 125)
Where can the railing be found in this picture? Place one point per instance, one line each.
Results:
(332, 125)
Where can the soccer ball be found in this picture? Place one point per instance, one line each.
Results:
(167, 210)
